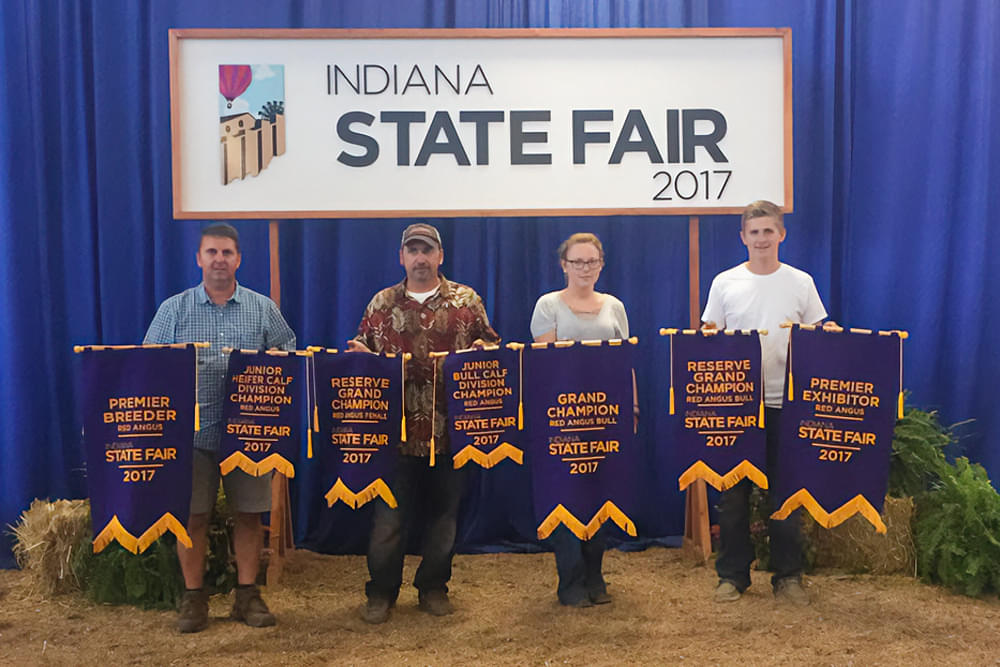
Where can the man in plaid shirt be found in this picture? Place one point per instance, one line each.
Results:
(424, 313)
(221, 312)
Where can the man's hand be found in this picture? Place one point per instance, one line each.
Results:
(830, 325)
(357, 346)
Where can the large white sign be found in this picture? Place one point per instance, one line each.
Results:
(396, 123)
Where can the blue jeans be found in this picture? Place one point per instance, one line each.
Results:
(736, 551)
(578, 563)
(439, 489)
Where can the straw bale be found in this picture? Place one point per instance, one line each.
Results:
(856, 547)
(47, 535)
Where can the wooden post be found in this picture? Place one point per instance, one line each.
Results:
(275, 262)
(280, 541)
(697, 543)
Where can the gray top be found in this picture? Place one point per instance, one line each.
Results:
(552, 313)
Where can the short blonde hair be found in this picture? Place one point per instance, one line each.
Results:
(762, 209)
(580, 237)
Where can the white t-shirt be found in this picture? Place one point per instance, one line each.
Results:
(740, 299)
(420, 297)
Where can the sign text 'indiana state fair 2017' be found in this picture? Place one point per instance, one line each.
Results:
(388, 123)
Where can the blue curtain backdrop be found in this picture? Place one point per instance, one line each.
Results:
(897, 126)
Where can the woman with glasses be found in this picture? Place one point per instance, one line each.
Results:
(579, 312)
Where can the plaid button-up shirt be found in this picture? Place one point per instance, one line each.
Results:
(249, 321)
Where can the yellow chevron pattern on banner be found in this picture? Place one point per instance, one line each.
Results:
(561, 515)
(377, 489)
(115, 531)
(745, 469)
(255, 468)
(166, 522)
(502, 451)
(856, 505)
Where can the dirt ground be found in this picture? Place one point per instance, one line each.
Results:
(506, 613)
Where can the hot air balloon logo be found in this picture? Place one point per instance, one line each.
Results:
(233, 81)
(251, 118)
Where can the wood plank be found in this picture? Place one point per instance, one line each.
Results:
(697, 543)
(280, 539)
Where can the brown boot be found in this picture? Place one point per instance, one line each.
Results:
(194, 611)
(375, 610)
(790, 590)
(435, 603)
(250, 608)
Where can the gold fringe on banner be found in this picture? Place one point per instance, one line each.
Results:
(255, 468)
(166, 522)
(115, 531)
(309, 443)
(760, 412)
(610, 511)
(499, 453)
(856, 505)
(377, 489)
(561, 515)
(744, 470)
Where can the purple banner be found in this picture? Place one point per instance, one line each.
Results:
(840, 407)
(715, 390)
(138, 409)
(484, 393)
(263, 413)
(579, 407)
(360, 402)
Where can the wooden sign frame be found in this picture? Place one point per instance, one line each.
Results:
(178, 36)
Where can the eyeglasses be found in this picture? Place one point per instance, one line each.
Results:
(585, 264)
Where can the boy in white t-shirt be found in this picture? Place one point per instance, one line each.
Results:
(762, 293)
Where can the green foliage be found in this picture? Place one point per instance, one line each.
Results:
(220, 573)
(918, 459)
(957, 517)
(956, 527)
(758, 527)
(152, 579)
(759, 517)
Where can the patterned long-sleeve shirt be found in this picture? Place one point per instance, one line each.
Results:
(248, 321)
(451, 319)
